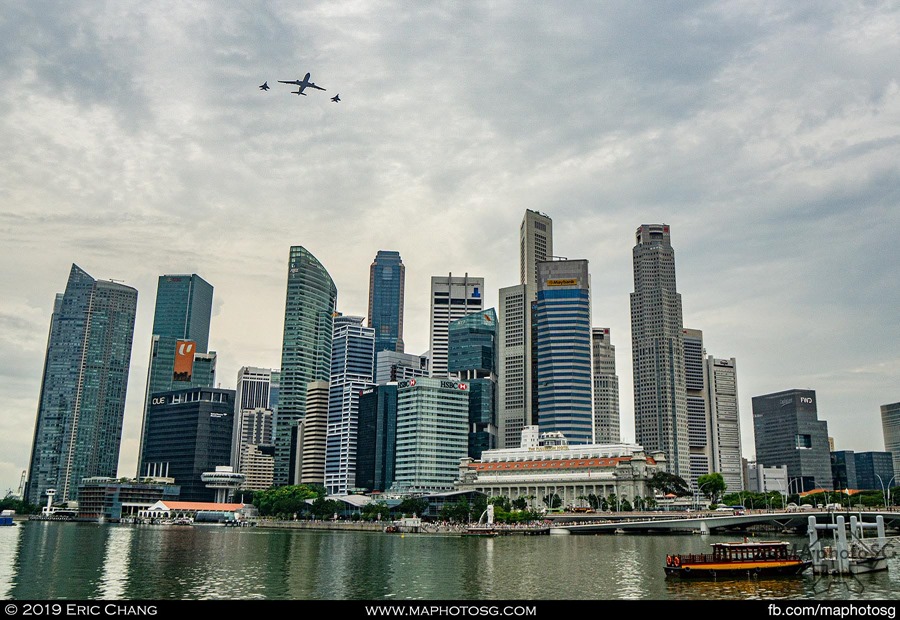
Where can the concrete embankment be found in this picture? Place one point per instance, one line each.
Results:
(356, 526)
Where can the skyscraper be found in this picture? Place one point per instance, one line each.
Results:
(352, 354)
(606, 388)
(472, 357)
(657, 343)
(189, 433)
(178, 345)
(565, 371)
(725, 420)
(256, 397)
(787, 431)
(516, 400)
(699, 429)
(432, 434)
(78, 429)
(451, 298)
(535, 245)
(305, 354)
(890, 428)
(376, 440)
(313, 434)
(387, 282)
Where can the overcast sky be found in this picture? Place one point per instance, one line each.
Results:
(767, 135)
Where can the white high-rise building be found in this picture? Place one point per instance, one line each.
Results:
(606, 388)
(697, 399)
(516, 406)
(725, 422)
(254, 412)
(451, 298)
(352, 360)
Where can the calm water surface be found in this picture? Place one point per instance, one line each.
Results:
(80, 561)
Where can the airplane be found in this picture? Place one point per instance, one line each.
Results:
(264, 86)
(336, 98)
(301, 84)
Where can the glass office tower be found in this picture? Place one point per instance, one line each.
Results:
(305, 354)
(82, 401)
(178, 347)
(472, 357)
(387, 280)
(564, 360)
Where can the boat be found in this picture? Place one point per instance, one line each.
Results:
(765, 558)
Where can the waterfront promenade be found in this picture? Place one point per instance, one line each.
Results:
(609, 523)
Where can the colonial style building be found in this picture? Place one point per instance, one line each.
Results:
(546, 464)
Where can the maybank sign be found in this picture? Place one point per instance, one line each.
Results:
(563, 282)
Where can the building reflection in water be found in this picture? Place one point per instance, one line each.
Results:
(116, 562)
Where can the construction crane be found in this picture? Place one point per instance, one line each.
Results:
(21, 492)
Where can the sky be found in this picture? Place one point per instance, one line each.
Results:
(767, 135)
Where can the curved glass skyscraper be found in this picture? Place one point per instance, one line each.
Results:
(305, 354)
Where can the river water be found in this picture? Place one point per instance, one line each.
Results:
(42, 560)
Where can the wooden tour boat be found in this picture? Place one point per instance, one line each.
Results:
(745, 558)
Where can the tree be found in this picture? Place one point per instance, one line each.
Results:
(413, 506)
(667, 484)
(712, 486)
(376, 511)
(285, 500)
(552, 501)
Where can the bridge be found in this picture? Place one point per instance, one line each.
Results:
(704, 523)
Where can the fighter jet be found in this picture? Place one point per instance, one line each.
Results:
(301, 84)
(336, 98)
(264, 86)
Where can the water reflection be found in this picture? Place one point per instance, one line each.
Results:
(115, 563)
(48, 560)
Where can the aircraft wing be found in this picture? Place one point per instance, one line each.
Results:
(311, 85)
(296, 82)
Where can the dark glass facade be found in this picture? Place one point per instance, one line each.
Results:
(875, 470)
(189, 433)
(183, 309)
(843, 470)
(787, 431)
(377, 438)
(82, 401)
(181, 322)
(472, 356)
(305, 354)
(387, 281)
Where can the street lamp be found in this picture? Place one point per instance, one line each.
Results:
(699, 490)
(887, 497)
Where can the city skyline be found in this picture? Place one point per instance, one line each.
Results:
(154, 152)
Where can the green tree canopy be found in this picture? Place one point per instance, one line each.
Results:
(286, 500)
(667, 483)
(711, 486)
(413, 506)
